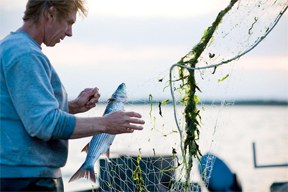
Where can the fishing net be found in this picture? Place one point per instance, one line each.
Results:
(165, 153)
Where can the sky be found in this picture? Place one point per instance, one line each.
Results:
(136, 42)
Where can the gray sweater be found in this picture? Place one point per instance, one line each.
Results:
(34, 121)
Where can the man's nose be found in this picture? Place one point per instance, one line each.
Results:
(69, 31)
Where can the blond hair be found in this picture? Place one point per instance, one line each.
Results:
(34, 8)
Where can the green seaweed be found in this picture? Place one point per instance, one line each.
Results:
(160, 104)
(192, 116)
(250, 29)
(137, 174)
(151, 104)
(223, 78)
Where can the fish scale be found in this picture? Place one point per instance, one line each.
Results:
(100, 143)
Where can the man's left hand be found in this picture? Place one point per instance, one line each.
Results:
(85, 101)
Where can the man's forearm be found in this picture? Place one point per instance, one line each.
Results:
(114, 123)
(88, 126)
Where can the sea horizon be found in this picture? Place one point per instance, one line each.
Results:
(256, 102)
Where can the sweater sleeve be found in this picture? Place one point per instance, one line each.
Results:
(29, 82)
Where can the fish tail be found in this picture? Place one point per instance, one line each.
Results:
(84, 172)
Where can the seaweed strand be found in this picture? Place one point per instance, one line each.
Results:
(190, 148)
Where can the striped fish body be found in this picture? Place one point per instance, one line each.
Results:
(100, 143)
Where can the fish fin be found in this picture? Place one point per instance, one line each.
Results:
(84, 172)
(86, 148)
(107, 154)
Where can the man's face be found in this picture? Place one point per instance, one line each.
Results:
(57, 29)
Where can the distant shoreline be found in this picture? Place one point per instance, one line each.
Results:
(217, 102)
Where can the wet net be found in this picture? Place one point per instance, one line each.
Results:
(179, 131)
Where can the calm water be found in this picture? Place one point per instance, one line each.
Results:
(226, 131)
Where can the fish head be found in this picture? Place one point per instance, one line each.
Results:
(120, 94)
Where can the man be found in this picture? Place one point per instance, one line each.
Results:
(36, 119)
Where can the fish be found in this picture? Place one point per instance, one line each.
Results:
(100, 143)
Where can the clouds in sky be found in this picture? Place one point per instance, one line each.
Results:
(137, 41)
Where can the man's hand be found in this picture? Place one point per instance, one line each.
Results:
(86, 100)
(122, 122)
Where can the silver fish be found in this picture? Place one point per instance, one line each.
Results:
(100, 143)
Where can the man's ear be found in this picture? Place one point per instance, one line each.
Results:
(50, 14)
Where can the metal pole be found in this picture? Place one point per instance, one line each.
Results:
(264, 166)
